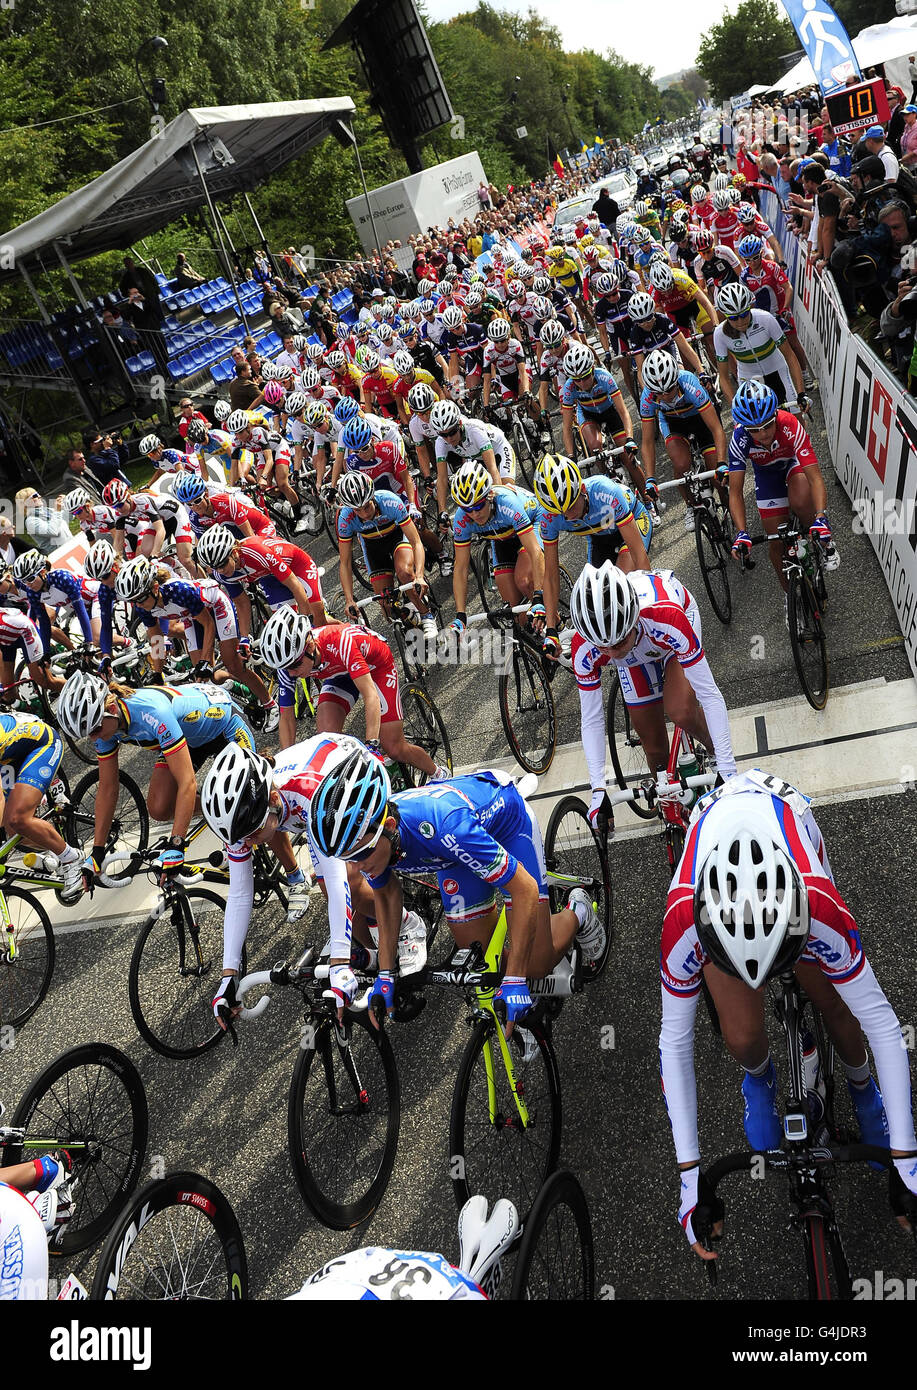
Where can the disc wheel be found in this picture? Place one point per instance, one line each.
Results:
(556, 1260)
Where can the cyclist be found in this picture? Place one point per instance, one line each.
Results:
(592, 399)
(647, 330)
(272, 456)
(613, 519)
(678, 296)
(159, 598)
(163, 460)
(202, 441)
(640, 622)
(19, 633)
(714, 265)
(32, 752)
(212, 506)
(507, 516)
(383, 460)
(151, 518)
(421, 400)
(504, 364)
(348, 661)
(480, 837)
(26, 1221)
(283, 573)
(770, 285)
(753, 895)
(553, 346)
(93, 518)
(463, 347)
(787, 475)
(459, 439)
(392, 547)
(686, 415)
(46, 588)
(378, 385)
(409, 374)
(753, 343)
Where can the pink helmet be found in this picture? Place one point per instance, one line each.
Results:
(274, 393)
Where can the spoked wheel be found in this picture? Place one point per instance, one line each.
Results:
(90, 1101)
(490, 1149)
(174, 974)
(822, 1248)
(26, 955)
(423, 725)
(312, 521)
(527, 710)
(713, 562)
(574, 850)
(522, 447)
(130, 825)
(343, 1120)
(627, 757)
(556, 1260)
(177, 1239)
(807, 639)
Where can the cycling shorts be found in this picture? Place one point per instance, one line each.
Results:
(35, 764)
(342, 691)
(771, 492)
(379, 551)
(466, 897)
(608, 545)
(689, 427)
(17, 631)
(608, 419)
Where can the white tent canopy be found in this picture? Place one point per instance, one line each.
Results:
(880, 43)
(238, 147)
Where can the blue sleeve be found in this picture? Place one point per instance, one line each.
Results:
(738, 450)
(39, 615)
(106, 607)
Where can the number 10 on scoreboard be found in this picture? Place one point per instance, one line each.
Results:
(855, 108)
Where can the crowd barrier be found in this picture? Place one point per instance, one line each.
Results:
(871, 423)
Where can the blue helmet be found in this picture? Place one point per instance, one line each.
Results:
(357, 434)
(754, 404)
(750, 246)
(346, 410)
(350, 804)
(189, 487)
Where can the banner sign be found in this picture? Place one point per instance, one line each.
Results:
(825, 41)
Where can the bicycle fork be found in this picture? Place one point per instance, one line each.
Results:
(516, 1085)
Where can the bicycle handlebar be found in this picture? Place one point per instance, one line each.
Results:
(650, 791)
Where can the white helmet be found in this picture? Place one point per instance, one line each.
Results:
(215, 547)
(751, 907)
(499, 331)
(453, 318)
(734, 298)
(269, 372)
(722, 200)
(28, 566)
(78, 499)
(698, 193)
(285, 634)
(221, 410)
(309, 379)
(235, 796)
(100, 560)
(660, 276)
(135, 579)
(721, 182)
(552, 333)
(604, 606)
(641, 306)
(579, 361)
(238, 421)
(82, 704)
(370, 360)
(421, 396)
(355, 488)
(445, 417)
(149, 443)
(403, 363)
(660, 371)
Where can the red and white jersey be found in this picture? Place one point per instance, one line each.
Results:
(388, 463)
(149, 507)
(768, 285)
(16, 626)
(233, 507)
(98, 519)
(550, 366)
(349, 650)
(791, 445)
(524, 310)
(260, 557)
(505, 359)
(702, 214)
(264, 441)
(727, 228)
(664, 630)
(757, 228)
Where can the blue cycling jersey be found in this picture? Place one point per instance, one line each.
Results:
(596, 399)
(60, 587)
(661, 334)
(391, 512)
(690, 400)
(462, 823)
(514, 512)
(469, 344)
(167, 718)
(609, 505)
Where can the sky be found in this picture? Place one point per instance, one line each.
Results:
(662, 34)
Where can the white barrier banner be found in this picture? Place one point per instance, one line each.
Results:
(871, 425)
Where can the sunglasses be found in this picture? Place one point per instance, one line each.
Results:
(760, 429)
(477, 506)
(734, 318)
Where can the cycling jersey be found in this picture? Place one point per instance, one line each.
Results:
(97, 520)
(469, 345)
(59, 587)
(703, 212)
(504, 360)
(474, 832)
(17, 628)
(232, 509)
(476, 438)
(31, 748)
(380, 1275)
(274, 560)
(388, 466)
(345, 654)
(661, 334)
(690, 400)
(265, 441)
(833, 945)
(381, 384)
(402, 385)
(768, 285)
(790, 450)
(188, 599)
(726, 228)
(609, 505)
(594, 401)
(514, 512)
(550, 368)
(171, 719)
(683, 292)
(756, 350)
(566, 271)
(297, 774)
(524, 310)
(723, 267)
(433, 331)
(668, 626)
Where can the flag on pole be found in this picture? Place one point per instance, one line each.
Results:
(825, 41)
(558, 166)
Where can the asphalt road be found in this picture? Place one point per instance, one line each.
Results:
(225, 1115)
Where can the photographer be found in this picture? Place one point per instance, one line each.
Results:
(899, 317)
(867, 266)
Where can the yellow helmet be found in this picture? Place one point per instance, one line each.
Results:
(555, 253)
(739, 180)
(470, 484)
(557, 482)
(587, 240)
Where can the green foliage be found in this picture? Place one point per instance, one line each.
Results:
(859, 14)
(745, 48)
(70, 58)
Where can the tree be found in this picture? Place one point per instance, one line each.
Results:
(695, 83)
(745, 48)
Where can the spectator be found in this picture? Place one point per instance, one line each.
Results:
(285, 320)
(897, 321)
(895, 124)
(125, 335)
(873, 142)
(107, 455)
(145, 314)
(186, 415)
(838, 151)
(867, 267)
(484, 195)
(909, 137)
(606, 208)
(243, 392)
(184, 275)
(139, 277)
(46, 524)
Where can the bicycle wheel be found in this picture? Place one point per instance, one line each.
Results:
(343, 1120)
(177, 1239)
(311, 522)
(818, 1277)
(527, 710)
(556, 1260)
(26, 955)
(130, 826)
(627, 757)
(174, 973)
(573, 849)
(712, 561)
(490, 1150)
(807, 640)
(565, 588)
(523, 451)
(90, 1101)
(423, 725)
(489, 594)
